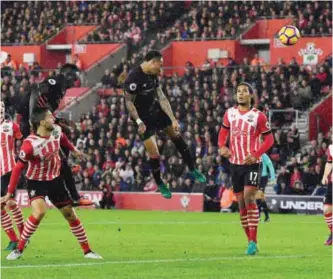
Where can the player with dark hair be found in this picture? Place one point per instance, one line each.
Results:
(245, 125)
(40, 152)
(49, 94)
(151, 110)
(327, 180)
(9, 132)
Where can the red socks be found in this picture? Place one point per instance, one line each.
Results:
(80, 234)
(7, 226)
(30, 227)
(18, 217)
(244, 222)
(328, 220)
(253, 221)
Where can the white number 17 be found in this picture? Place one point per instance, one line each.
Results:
(253, 176)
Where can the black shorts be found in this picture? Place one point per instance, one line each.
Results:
(328, 196)
(155, 122)
(263, 180)
(242, 175)
(55, 190)
(4, 184)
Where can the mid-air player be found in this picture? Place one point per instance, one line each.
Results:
(327, 180)
(40, 151)
(10, 132)
(151, 110)
(245, 125)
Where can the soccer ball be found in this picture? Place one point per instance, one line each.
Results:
(289, 35)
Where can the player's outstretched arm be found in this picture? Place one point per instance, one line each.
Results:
(165, 105)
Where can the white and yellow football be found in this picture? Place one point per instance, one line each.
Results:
(289, 35)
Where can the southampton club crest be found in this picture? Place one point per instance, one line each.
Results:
(185, 201)
(310, 54)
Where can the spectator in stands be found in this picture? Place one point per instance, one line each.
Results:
(296, 184)
(283, 182)
(305, 94)
(9, 63)
(257, 60)
(77, 61)
(107, 199)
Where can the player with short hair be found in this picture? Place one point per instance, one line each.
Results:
(40, 152)
(9, 131)
(49, 94)
(151, 110)
(263, 180)
(245, 125)
(327, 180)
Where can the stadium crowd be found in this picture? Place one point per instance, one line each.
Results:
(216, 20)
(34, 21)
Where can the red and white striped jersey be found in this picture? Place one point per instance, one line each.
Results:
(42, 155)
(246, 129)
(329, 160)
(9, 132)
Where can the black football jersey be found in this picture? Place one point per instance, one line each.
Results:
(144, 87)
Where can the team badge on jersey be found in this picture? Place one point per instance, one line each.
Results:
(250, 118)
(56, 133)
(267, 125)
(22, 155)
(133, 86)
(5, 128)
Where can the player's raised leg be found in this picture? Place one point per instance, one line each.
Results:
(184, 151)
(152, 149)
(39, 209)
(78, 231)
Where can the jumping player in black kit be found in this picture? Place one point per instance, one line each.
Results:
(49, 94)
(151, 110)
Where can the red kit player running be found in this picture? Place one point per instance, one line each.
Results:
(41, 152)
(327, 180)
(245, 125)
(9, 132)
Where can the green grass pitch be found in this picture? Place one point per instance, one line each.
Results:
(172, 245)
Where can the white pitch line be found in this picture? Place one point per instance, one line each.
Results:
(152, 261)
